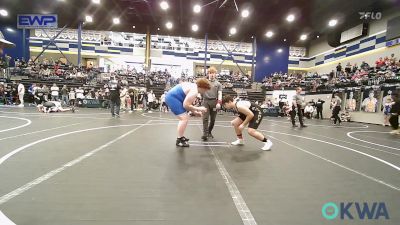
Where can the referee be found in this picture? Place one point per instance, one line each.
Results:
(212, 100)
(297, 106)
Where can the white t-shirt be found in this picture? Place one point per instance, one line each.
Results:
(72, 95)
(123, 92)
(21, 89)
(54, 91)
(79, 94)
(309, 109)
(150, 97)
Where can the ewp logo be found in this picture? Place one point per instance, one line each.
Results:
(375, 211)
(29, 21)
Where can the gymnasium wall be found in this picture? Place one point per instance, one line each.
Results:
(187, 60)
(16, 37)
(323, 58)
(370, 57)
(176, 58)
(269, 60)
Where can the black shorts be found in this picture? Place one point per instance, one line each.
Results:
(256, 121)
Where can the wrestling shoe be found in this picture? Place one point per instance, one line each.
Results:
(182, 142)
(210, 135)
(204, 138)
(267, 146)
(186, 139)
(238, 142)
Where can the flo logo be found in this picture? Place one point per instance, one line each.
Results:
(370, 15)
(355, 210)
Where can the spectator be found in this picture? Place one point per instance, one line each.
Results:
(308, 111)
(39, 96)
(115, 100)
(355, 68)
(79, 96)
(331, 75)
(64, 95)
(122, 96)
(132, 96)
(365, 66)
(32, 90)
(71, 97)
(395, 111)
(163, 105)
(392, 60)
(21, 93)
(319, 106)
(46, 92)
(379, 63)
(150, 98)
(336, 107)
(144, 100)
(338, 69)
(387, 106)
(54, 92)
(348, 68)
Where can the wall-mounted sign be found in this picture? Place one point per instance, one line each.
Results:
(31, 21)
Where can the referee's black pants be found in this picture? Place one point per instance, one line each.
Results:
(299, 113)
(209, 116)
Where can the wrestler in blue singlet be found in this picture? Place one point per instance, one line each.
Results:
(174, 99)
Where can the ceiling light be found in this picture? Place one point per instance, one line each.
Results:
(96, 1)
(269, 34)
(303, 37)
(169, 25)
(290, 18)
(332, 22)
(245, 13)
(317, 36)
(284, 40)
(164, 5)
(133, 26)
(116, 20)
(195, 27)
(252, 37)
(158, 28)
(280, 50)
(232, 31)
(10, 30)
(196, 8)
(89, 19)
(3, 12)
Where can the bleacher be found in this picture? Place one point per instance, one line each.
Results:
(256, 96)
